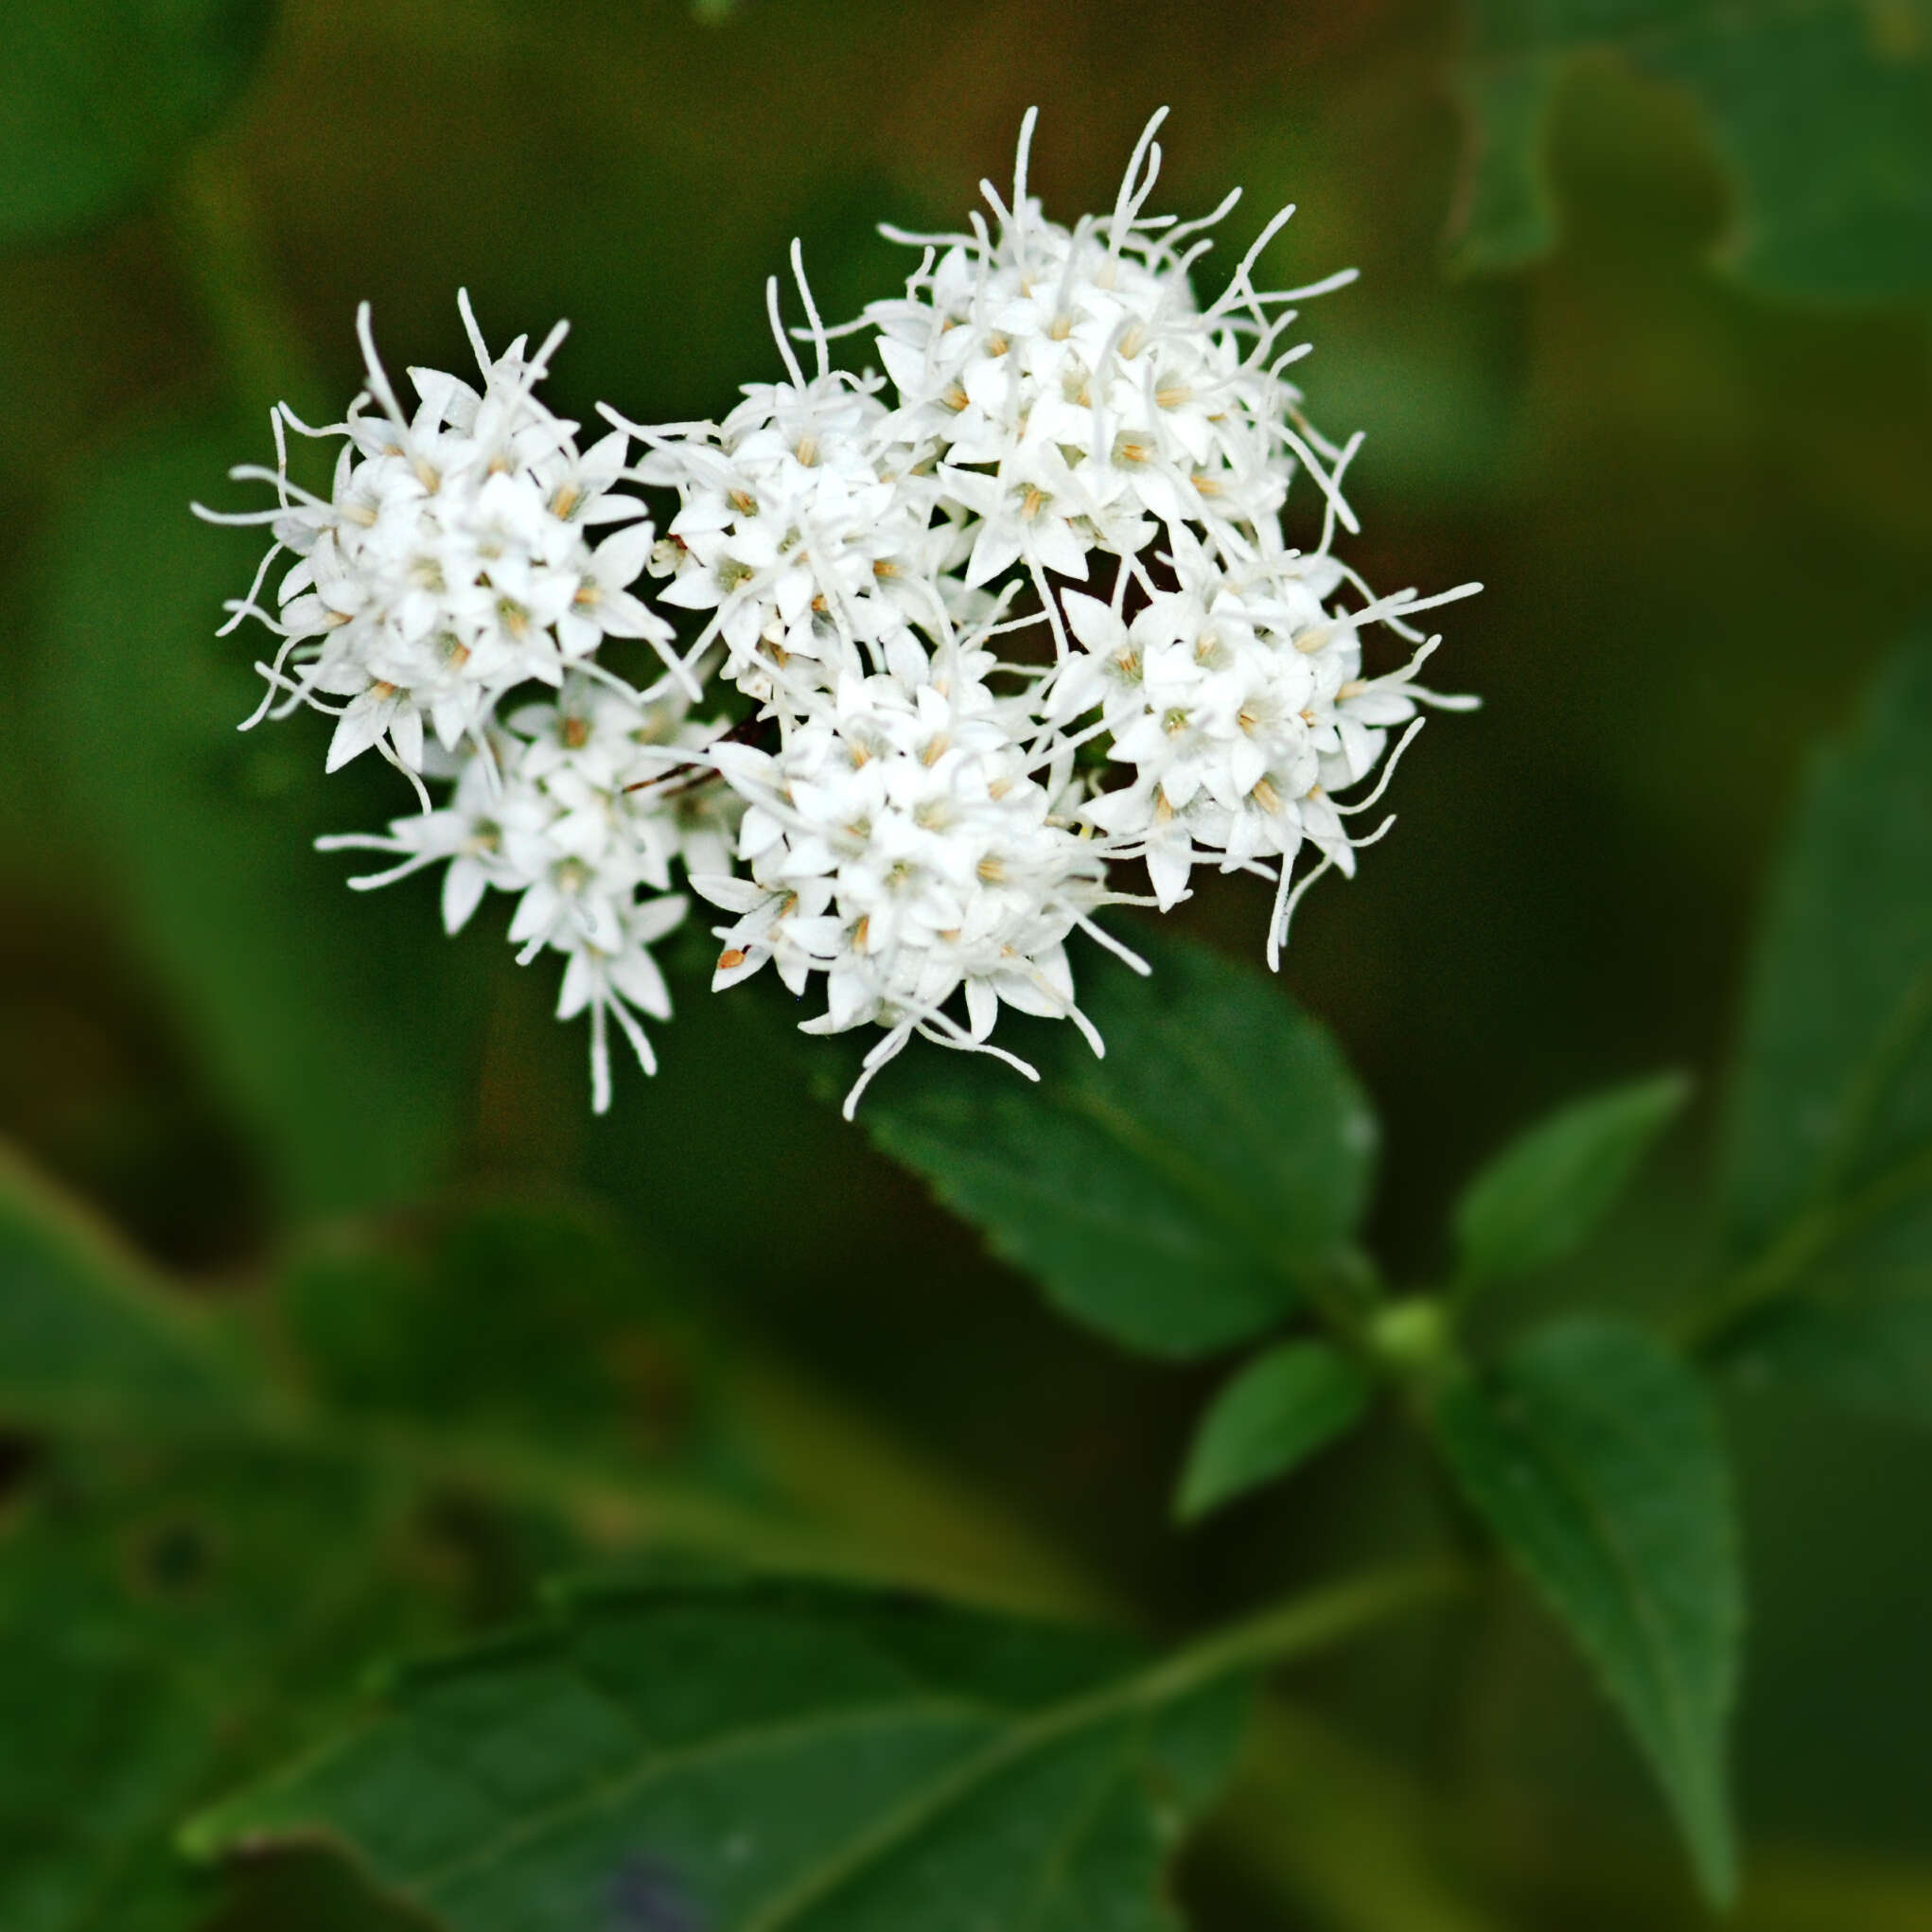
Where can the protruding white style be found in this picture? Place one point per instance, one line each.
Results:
(451, 560)
(1003, 620)
(579, 807)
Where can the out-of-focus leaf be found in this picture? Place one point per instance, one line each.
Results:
(162, 1620)
(1829, 1149)
(1820, 109)
(1594, 1458)
(767, 1756)
(107, 1738)
(527, 1351)
(87, 1339)
(1508, 214)
(1542, 1197)
(95, 101)
(1276, 1412)
(341, 1024)
(531, 1318)
(1872, 1352)
(1176, 1194)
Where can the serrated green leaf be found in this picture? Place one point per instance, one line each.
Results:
(331, 1019)
(1828, 1152)
(1873, 1353)
(1594, 1458)
(96, 101)
(87, 1339)
(1274, 1414)
(1543, 1196)
(770, 1757)
(1820, 110)
(1175, 1194)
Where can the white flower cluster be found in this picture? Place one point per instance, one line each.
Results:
(574, 806)
(998, 625)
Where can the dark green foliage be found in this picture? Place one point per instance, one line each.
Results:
(1820, 111)
(1180, 1194)
(348, 1060)
(215, 1536)
(773, 1756)
(96, 101)
(1828, 1158)
(1541, 1198)
(1593, 1456)
(224, 1502)
(87, 1339)
(511, 1316)
(1872, 1352)
(164, 1619)
(1275, 1412)
(106, 1741)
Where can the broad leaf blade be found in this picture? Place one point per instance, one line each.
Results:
(773, 1757)
(1820, 110)
(1596, 1461)
(107, 1736)
(1277, 1412)
(1544, 1195)
(1831, 1116)
(1174, 1194)
(96, 101)
(87, 1339)
(167, 1618)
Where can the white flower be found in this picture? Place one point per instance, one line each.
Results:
(927, 798)
(451, 560)
(800, 529)
(906, 844)
(576, 807)
(1077, 395)
(1238, 701)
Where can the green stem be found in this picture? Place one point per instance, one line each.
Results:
(1779, 1271)
(1294, 1627)
(1288, 1630)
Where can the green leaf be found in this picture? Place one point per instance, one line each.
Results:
(528, 1318)
(98, 101)
(772, 1756)
(1594, 1457)
(343, 1026)
(1820, 110)
(1828, 1157)
(1274, 1414)
(1178, 1194)
(1873, 1353)
(107, 1737)
(87, 1337)
(165, 1618)
(1542, 1197)
(1506, 215)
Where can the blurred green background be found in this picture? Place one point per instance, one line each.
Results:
(1641, 342)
